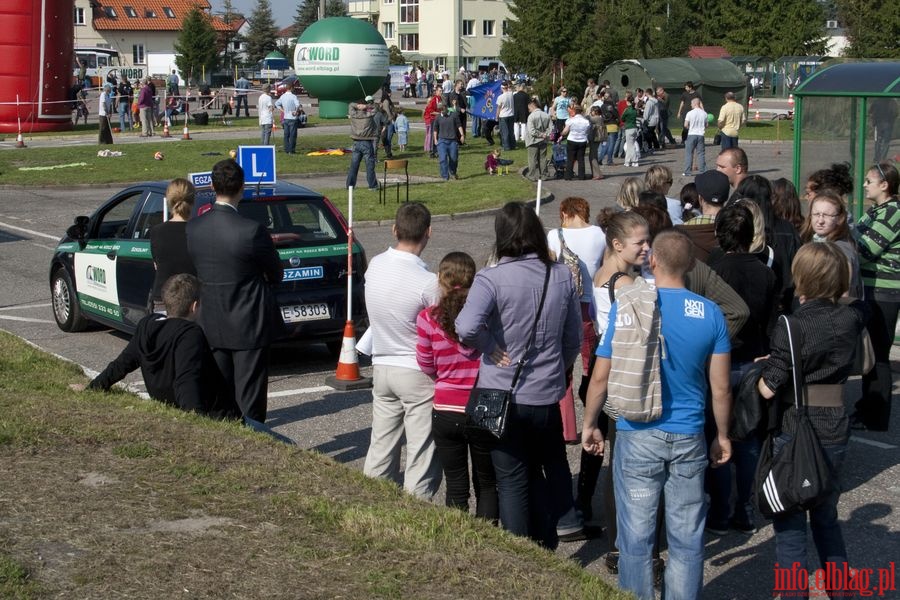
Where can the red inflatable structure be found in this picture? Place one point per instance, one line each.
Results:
(36, 70)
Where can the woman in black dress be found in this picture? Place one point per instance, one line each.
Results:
(168, 240)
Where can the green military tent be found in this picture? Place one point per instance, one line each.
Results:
(712, 77)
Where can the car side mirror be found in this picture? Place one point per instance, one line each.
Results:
(78, 231)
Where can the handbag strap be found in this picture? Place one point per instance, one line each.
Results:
(793, 331)
(530, 343)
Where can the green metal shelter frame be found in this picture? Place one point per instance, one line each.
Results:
(847, 113)
(760, 66)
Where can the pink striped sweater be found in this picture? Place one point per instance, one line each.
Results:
(453, 367)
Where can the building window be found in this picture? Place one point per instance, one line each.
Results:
(388, 1)
(388, 29)
(487, 28)
(409, 41)
(79, 16)
(409, 11)
(110, 12)
(150, 13)
(169, 12)
(129, 10)
(468, 29)
(237, 46)
(505, 27)
(137, 54)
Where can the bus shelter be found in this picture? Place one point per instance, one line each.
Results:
(759, 70)
(847, 113)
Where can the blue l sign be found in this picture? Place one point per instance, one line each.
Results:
(258, 163)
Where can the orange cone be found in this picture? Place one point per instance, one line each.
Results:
(756, 118)
(347, 376)
(186, 133)
(165, 132)
(20, 141)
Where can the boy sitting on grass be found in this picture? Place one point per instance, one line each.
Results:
(493, 162)
(175, 360)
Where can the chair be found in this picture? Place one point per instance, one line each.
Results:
(397, 166)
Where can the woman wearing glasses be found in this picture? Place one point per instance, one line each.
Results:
(878, 241)
(827, 222)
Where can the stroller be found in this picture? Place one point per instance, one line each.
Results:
(558, 158)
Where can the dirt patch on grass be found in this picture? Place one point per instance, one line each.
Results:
(107, 495)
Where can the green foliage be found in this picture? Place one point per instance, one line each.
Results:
(308, 13)
(229, 16)
(871, 27)
(261, 35)
(396, 57)
(774, 28)
(196, 46)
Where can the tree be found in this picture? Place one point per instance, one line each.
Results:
(229, 16)
(396, 57)
(871, 27)
(543, 34)
(774, 27)
(196, 48)
(308, 13)
(261, 35)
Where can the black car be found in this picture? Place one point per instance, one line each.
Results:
(103, 270)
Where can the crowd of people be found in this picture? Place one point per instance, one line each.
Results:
(667, 320)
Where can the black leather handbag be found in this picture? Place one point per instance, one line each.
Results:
(488, 408)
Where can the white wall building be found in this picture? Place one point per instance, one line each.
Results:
(439, 33)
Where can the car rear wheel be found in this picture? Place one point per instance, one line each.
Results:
(66, 310)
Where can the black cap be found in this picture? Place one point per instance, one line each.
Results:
(712, 186)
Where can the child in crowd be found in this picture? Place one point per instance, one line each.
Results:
(454, 368)
(401, 124)
(493, 162)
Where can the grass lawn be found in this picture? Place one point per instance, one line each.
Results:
(107, 495)
(761, 130)
(475, 189)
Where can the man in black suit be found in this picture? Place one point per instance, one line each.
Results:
(236, 262)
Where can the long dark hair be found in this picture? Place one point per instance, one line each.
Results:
(455, 275)
(758, 189)
(518, 232)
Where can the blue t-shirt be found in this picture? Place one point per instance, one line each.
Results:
(693, 328)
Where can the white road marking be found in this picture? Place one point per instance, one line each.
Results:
(880, 445)
(25, 319)
(43, 246)
(298, 392)
(27, 306)
(55, 238)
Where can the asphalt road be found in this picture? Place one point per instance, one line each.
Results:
(337, 423)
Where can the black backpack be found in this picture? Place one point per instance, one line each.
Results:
(609, 113)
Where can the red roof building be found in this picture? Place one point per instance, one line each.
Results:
(708, 52)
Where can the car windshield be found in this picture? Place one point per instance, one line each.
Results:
(295, 221)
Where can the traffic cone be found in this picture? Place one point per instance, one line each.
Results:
(186, 133)
(347, 376)
(20, 141)
(756, 118)
(791, 100)
(165, 132)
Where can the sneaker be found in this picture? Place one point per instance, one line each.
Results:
(716, 530)
(686, 174)
(588, 532)
(748, 528)
(611, 560)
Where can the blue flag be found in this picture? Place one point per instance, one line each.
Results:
(483, 100)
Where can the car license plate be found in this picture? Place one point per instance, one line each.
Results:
(305, 312)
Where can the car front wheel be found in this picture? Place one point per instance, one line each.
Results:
(66, 310)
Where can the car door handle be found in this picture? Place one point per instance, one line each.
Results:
(111, 255)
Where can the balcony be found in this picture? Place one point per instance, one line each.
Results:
(363, 9)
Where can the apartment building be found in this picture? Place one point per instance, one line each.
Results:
(439, 33)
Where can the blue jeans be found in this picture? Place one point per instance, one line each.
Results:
(790, 530)
(533, 477)
(694, 144)
(265, 134)
(646, 464)
(620, 144)
(290, 135)
(476, 127)
(606, 151)
(729, 142)
(124, 116)
(363, 149)
(238, 100)
(448, 156)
